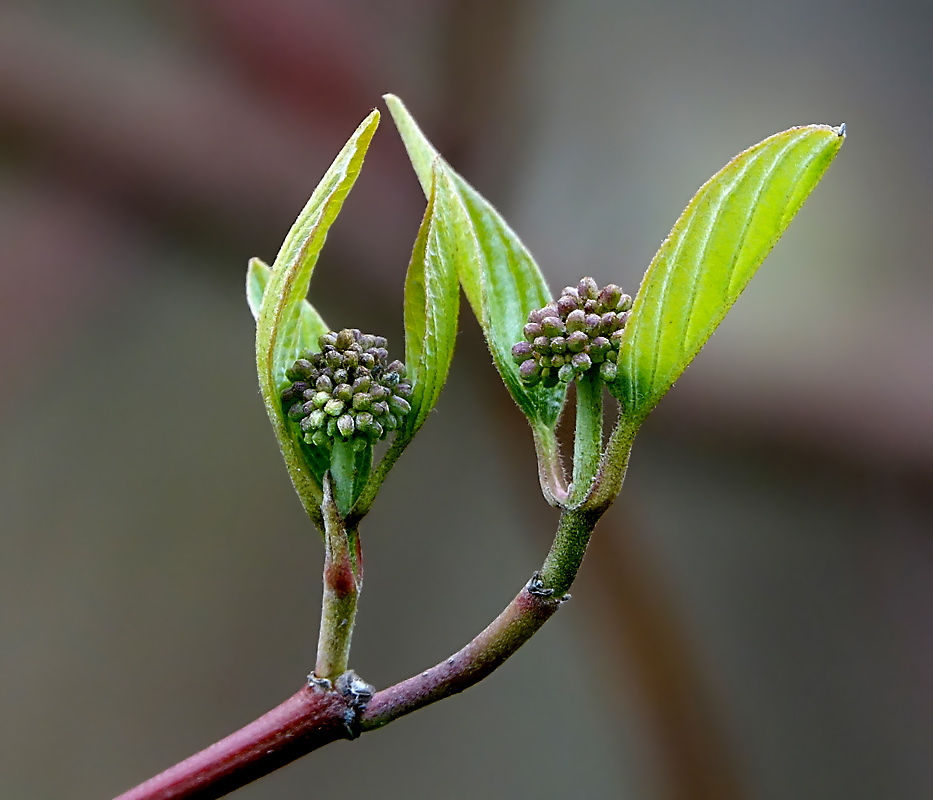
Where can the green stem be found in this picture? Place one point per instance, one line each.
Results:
(567, 551)
(350, 464)
(612, 468)
(550, 469)
(343, 578)
(588, 436)
(368, 493)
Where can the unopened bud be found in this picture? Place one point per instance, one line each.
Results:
(521, 351)
(608, 371)
(333, 407)
(345, 426)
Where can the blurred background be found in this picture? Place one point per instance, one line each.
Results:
(755, 617)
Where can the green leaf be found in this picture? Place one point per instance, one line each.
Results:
(709, 257)
(432, 307)
(432, 298)
(311, 326)
(279, 328)
(500, 278)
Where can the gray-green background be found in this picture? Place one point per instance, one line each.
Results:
(754, 620)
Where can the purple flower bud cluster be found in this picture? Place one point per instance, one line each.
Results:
(582, 330)
(349, 390)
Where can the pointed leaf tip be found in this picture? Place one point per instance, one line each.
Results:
(284, 323)
(713, 251)
(499, 276)
(432, 298)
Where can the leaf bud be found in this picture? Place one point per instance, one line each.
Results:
(344, 339)
(587, 289)
(521, 351)
(334, 407)
(566, 304)
(598, 348)
(529, 369)
(609, 297)
(345, 426)
(399, 405)
(364, 421)
(608, 371)
(576, 321)
(552, 326)
(606, 321)
(344, 387)
(570, 291)
(532, 331)
(577, 341)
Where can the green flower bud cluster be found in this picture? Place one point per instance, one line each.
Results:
(581, 331)
(349, 390)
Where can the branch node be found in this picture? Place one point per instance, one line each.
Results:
(536, 586)
(321, 684)
(358, 693)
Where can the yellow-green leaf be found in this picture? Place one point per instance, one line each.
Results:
(500, 278)
(279, 329)
(709, 257)
(311, 327)
(432, 298)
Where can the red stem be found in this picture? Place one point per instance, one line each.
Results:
(314, 717)
(307, 720)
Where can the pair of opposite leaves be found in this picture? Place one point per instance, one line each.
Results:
(712, 252)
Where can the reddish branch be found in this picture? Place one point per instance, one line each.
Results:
(317, 716)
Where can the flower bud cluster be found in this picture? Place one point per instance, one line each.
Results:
(349, 390)
(580, 331)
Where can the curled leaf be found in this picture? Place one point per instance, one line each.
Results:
(283, 323)
(432, 298)
(500, 278)
(311, 327)
(432, 306)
